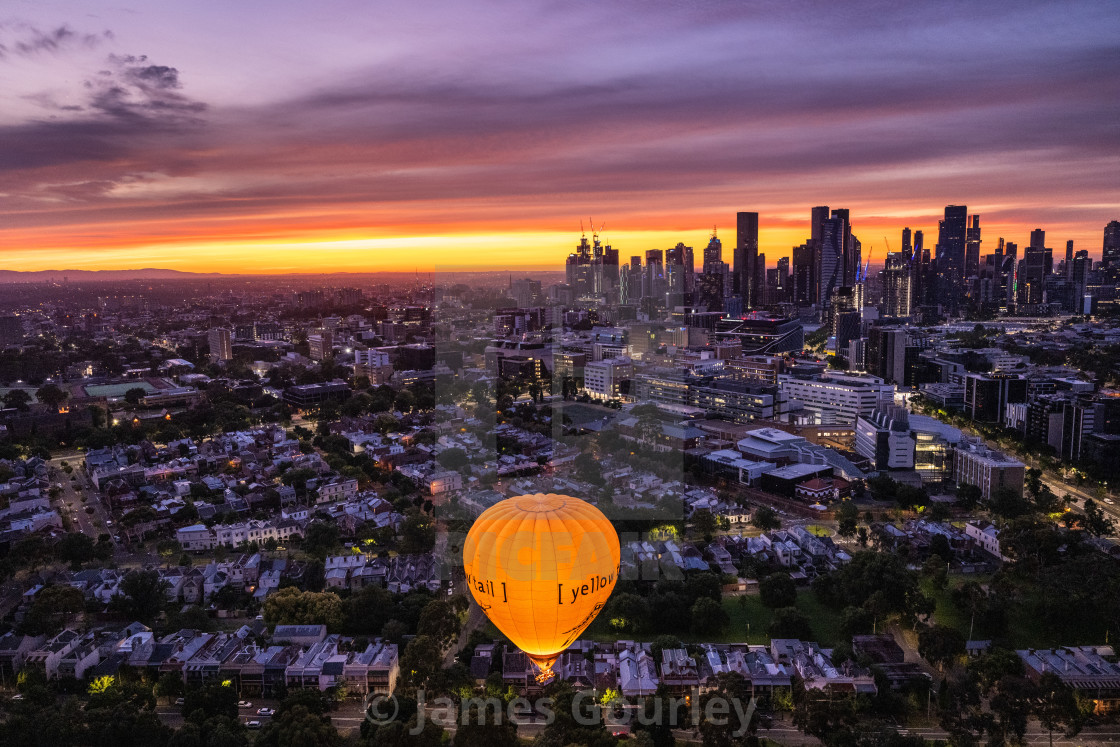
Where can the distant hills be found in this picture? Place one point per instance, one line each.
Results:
(148, 273)
(155, 273)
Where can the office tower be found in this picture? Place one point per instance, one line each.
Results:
(631, 282)
(886, 353)
(850, 249)
(655, 276)
(1035, 267)
(677, 272)
(221, 344)
(907, 247)
(972, 248)
(320, 344)
(11, 330)
(804, 270)
(710, 289)
(820, 215)
(760, 279)
(1110, 255)
(830, 260)
(1011, 271)
(577, 269)
(1079, 276)
(897, 283)
(1038, 238)
(1069, 260)
(746, 258)
(951, 238)
(688, 259)
(713, 253)
(783, 278)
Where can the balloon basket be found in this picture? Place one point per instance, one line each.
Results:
(543, 666)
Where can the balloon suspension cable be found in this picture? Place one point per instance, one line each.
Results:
(544, 666)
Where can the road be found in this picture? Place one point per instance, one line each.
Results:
(1058, 485)
(70, 502)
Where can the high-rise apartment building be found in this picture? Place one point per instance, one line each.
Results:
(747, 276)
(713, 253)
(320, 344)
(221, 344)
(972, 248)
(897, 283)
(1110, 254)
(951, 240)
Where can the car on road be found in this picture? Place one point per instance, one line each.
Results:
(244, 704)
(266, 712)
(1109, 501)
(253, 724)
(180, 701)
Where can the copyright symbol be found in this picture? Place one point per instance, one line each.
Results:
(381, 709)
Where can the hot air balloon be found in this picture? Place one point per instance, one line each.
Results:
(541, 567)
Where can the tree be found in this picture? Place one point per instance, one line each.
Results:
(788, 622)
(847, 516)
(75, 548)
(422, 658)
(321, 539)
(169, 685)
(968, 496)
(52, 608)
(627, 613)
(418, 534)
(453, 459)
(1056, 707)
(1011, 705)
(290, 606)
(141, 596)
(708, 616)
(704, 522)
(480, 726)
(940, 645)
(1097, 523)
(439, 621)
(298, 727)
(213, 700)
(777, 590)
(51, 395)
(17, 398)
(134, 395)
(939, 546)
(765, 518)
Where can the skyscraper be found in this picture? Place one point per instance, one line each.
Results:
(907, 247)
(1110, 255)
(1069, 260)
(746, 258)
(820, 215)
(951, 239)
(783, 278)
(713, 253)
(804, 270)
(221, 344)
(655, 276)
(897, 283)
(830, 261)
(972, 248)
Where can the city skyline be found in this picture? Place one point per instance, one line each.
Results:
(381, 139)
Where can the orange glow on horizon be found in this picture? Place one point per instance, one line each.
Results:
(280, 248)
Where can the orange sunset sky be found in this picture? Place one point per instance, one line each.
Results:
(274, 137)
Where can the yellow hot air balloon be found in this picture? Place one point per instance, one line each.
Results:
(541, 567)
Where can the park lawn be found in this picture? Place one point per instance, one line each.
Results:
(824, 621)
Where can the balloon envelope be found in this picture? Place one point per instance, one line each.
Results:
(541, 567)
